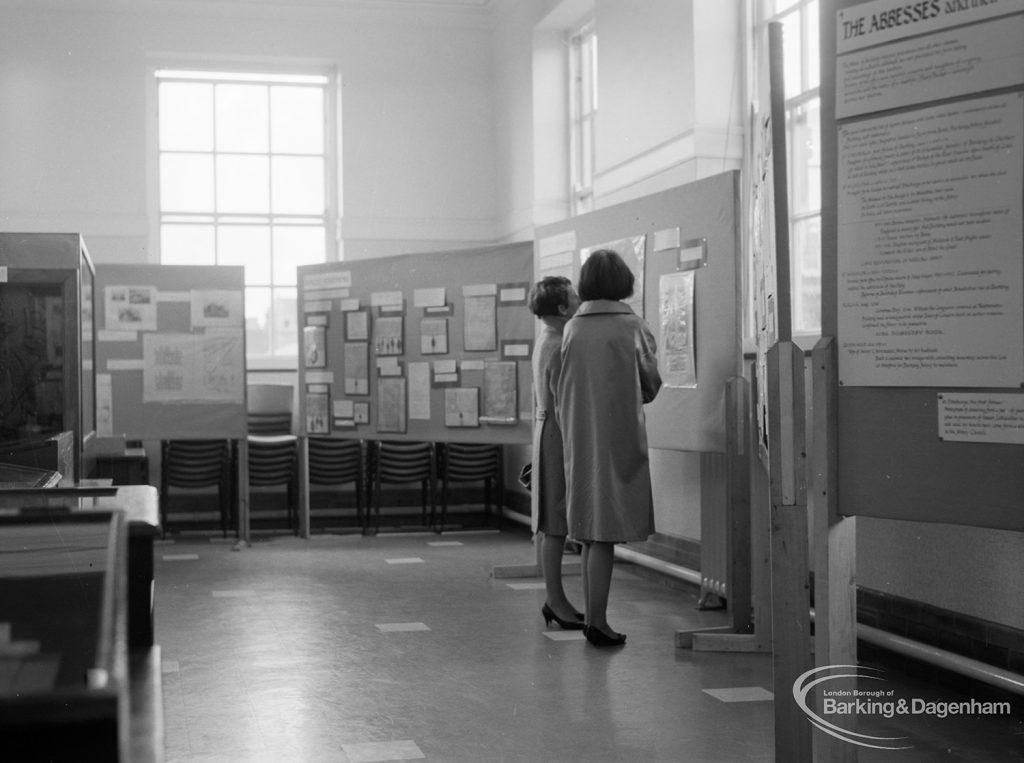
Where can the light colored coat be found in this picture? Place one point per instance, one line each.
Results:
(547, 492)
(609, 369)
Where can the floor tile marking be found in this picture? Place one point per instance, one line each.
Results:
(438, 543)
(564, 635)
(371, 752)
(741, 694)
(179, 557)
(169, 666)
(526, 586)
(231, 594)
(405, 560)
(401, 627)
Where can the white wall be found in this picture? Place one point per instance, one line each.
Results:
(417, 115)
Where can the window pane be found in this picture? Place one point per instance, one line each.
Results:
(257, 321)
(807, 275)
(285, 332)
(781, 5)
(247, 245)
(298, 185)
(811, 46)
(186, 183)
(791, 54)
(186, 116)
(295, 246)
(297, 120)
(805, 150)
(243, 184)
(242, 118)
(186, 245)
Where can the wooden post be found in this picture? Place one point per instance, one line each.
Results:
(791, 647)
(303, 466)
(243, 493)
(835, 552)
(737, 503)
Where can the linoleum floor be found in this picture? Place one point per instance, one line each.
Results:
(354, 649)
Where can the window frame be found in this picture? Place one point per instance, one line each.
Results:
(325, 78)
(582, 121)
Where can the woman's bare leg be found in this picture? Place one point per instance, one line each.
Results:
(551, 549)
(599, 560)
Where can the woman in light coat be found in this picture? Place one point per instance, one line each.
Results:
(553, 301)
(609, 369)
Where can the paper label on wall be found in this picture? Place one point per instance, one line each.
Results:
(429, 297)
(666, 239)
(560, 242)
(981, 417)
(929, 205)
(333, 279)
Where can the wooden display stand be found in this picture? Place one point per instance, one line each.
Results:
(193, 314)
(420, 347)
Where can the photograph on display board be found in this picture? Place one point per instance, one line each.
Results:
(130, 308)
(391, 413)
(314, 346)
(318, 421)
(216, 308)
(388, 335)
(462, 407)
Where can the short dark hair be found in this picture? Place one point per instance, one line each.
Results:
(605, 275)
(549, 294)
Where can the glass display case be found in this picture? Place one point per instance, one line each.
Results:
(47, 342)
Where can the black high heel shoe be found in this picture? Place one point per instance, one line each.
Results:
(569, 625)
(597, 637)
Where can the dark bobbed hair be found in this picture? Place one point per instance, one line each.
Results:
(549, 294)
(605, 275)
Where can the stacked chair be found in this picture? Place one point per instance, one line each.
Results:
(195, 464)
(273, 449)
(471, 462)
(336, 462)
(392, 462)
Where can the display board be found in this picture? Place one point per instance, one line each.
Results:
(429, 346)
(683, 246)
(170, 351)
(922, 266)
